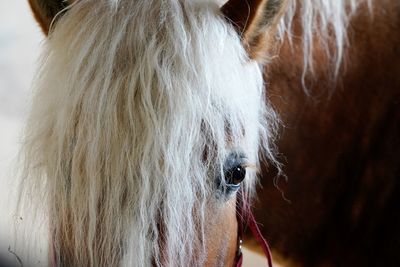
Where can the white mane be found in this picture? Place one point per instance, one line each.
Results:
(130, 97)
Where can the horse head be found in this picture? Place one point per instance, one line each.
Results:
(146, 125)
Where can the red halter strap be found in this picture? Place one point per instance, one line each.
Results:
(245, 215)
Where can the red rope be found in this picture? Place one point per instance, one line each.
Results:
(244, 214)
(261, 240)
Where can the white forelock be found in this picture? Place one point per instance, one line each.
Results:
(129, 97)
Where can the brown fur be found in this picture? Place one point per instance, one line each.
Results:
(341, 149)
(221, 249)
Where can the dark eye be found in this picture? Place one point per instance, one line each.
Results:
(234, 172)
(235, 175)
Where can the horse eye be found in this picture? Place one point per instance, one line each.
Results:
(234, 172)
(235, 175)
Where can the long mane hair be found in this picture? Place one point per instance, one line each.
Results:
(137, 104)
(321, 23)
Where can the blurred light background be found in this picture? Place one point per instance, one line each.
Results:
(19, 45)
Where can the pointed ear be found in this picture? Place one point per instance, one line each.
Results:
(46, 10)
(256, 22)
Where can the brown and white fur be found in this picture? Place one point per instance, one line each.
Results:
(334, 81)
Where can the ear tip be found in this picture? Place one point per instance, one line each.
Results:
(40, 20)
(255, 21)
(239, 12)
(44, 11)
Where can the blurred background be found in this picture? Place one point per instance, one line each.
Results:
(19, 46)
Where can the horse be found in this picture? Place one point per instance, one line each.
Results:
(339, 143)
(335, 84)
(142, 143)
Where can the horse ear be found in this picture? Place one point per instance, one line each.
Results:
(256, 22)
(46, 10)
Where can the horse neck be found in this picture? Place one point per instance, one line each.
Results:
(338, 138)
